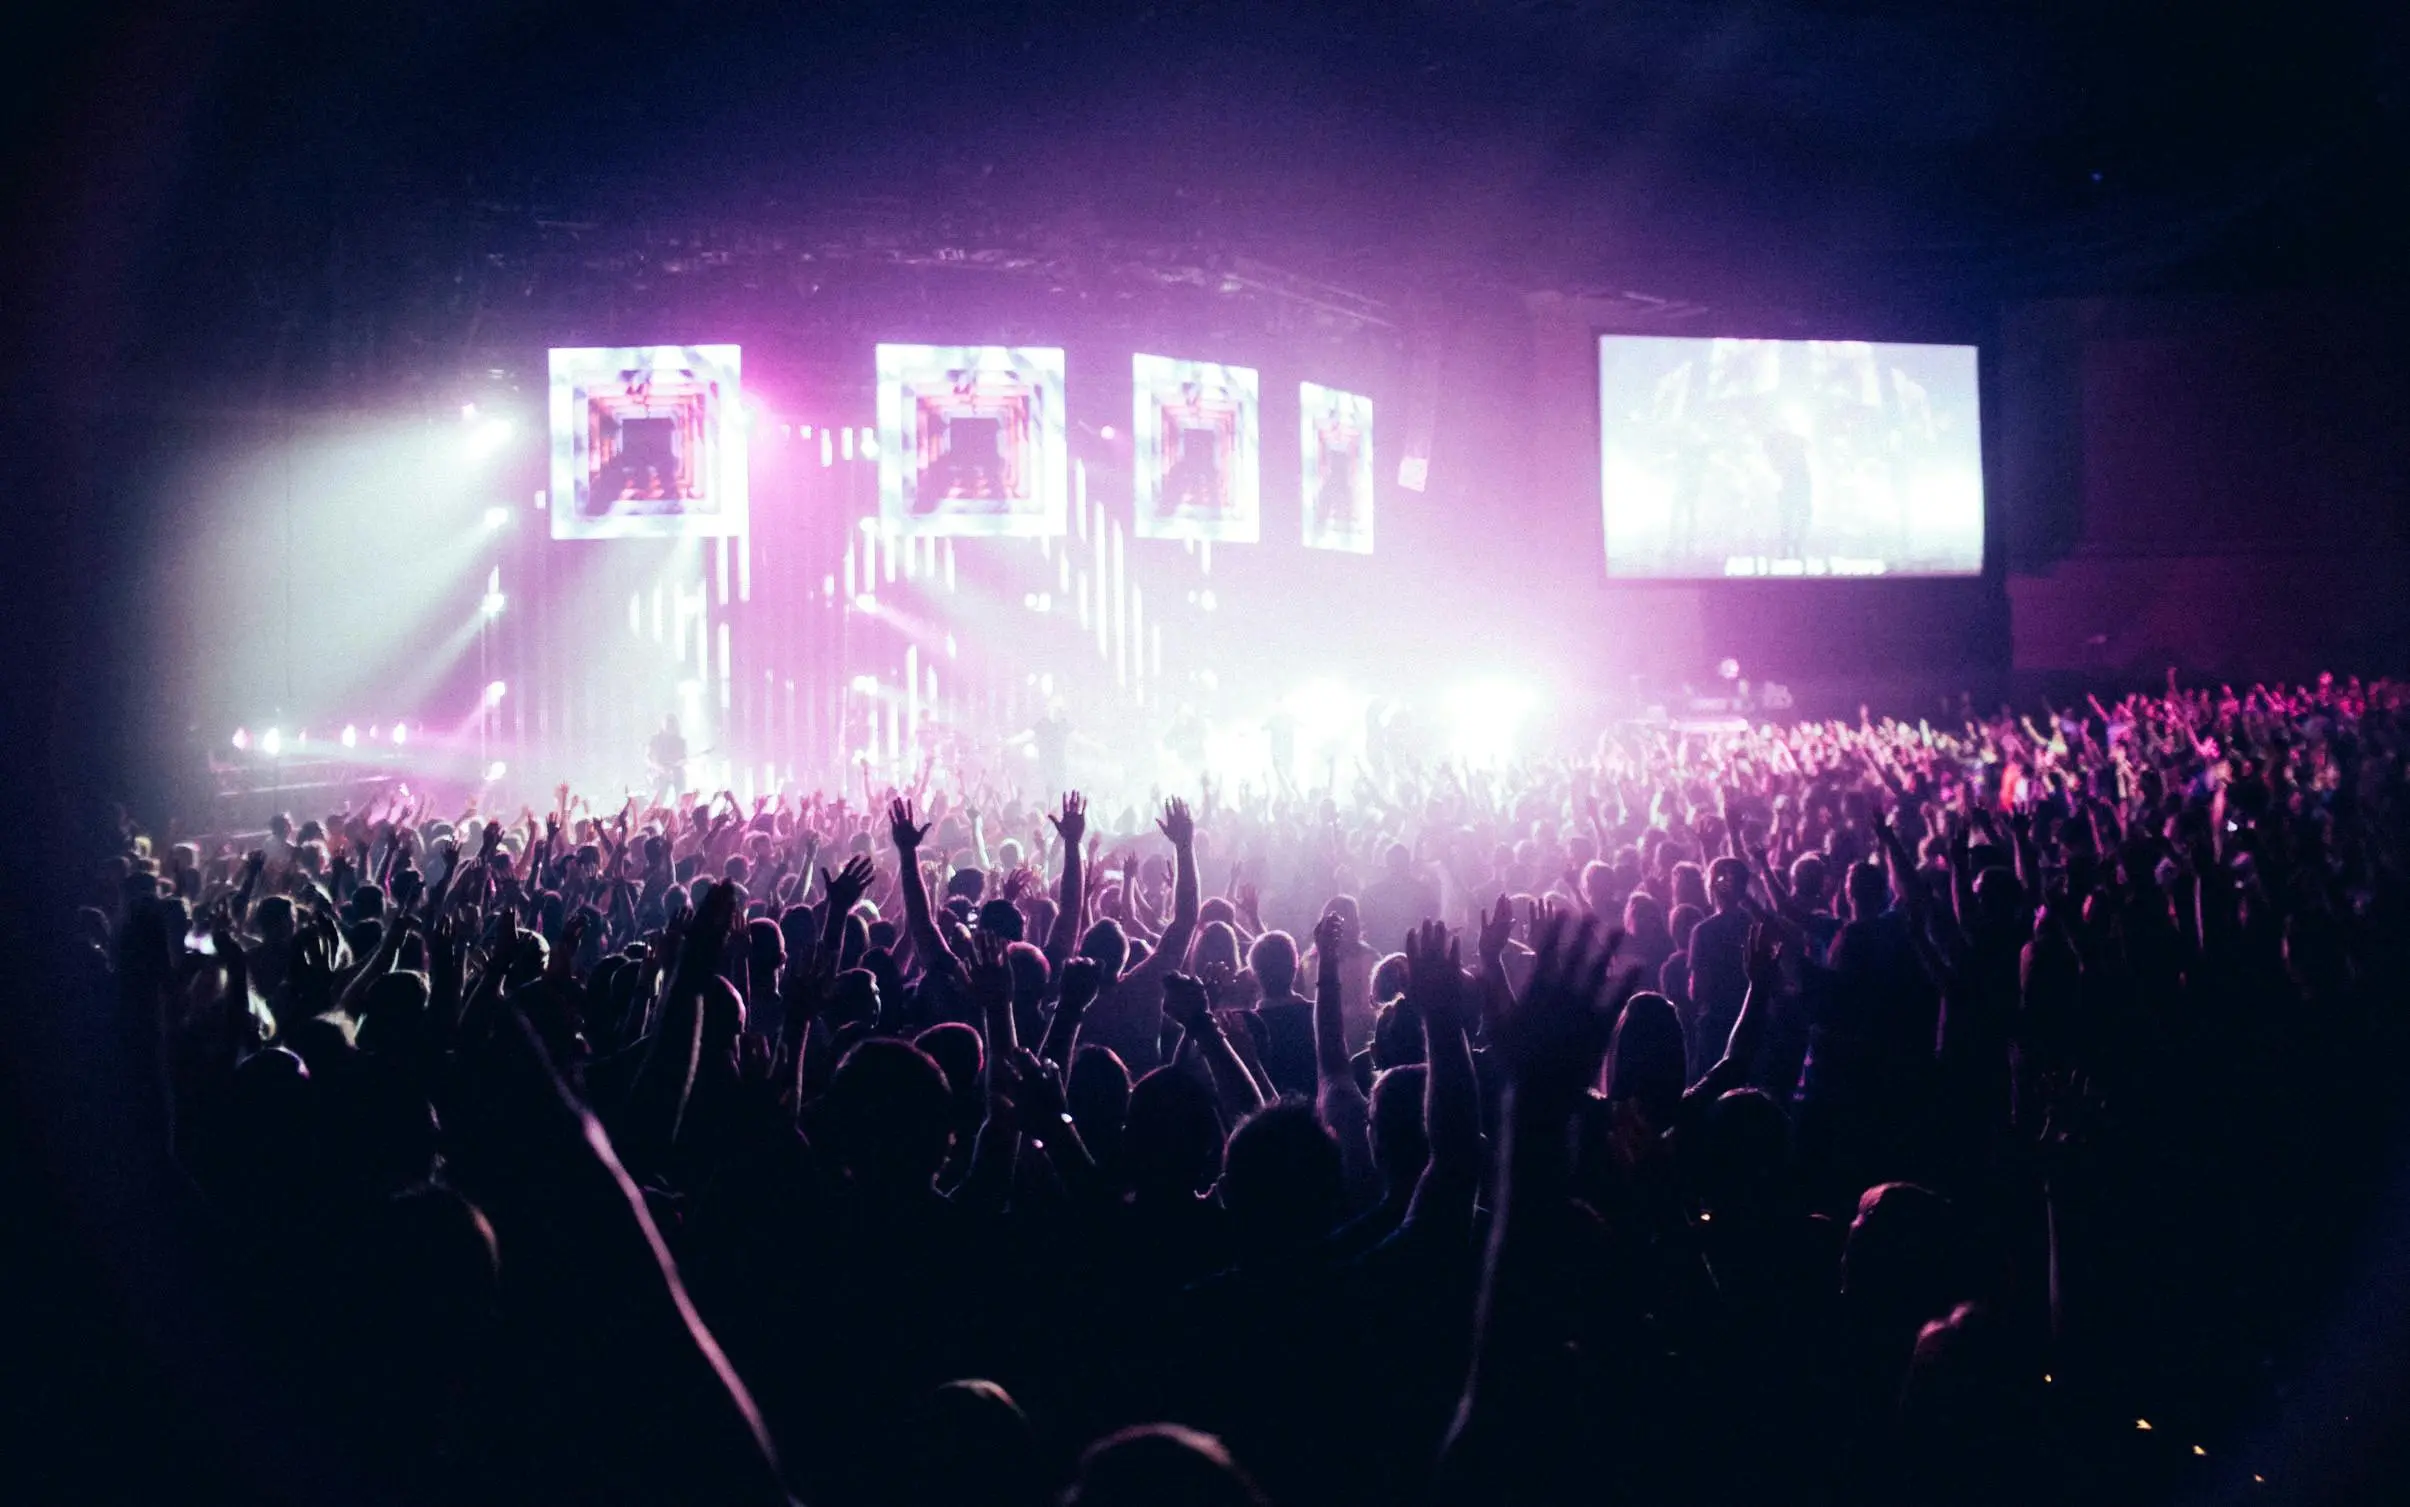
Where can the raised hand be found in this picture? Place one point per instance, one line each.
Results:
(1083, 980)
(1552, 1042)
(1435, 972)
(848, 885)
(1073, 823)
(900, 827)
(1176, 823)
(991, 977)
(1497, 929)
(1185, 1001)
(1764, 957)
(1330, 935)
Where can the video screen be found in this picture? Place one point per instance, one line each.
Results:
(1198, 473)
(648, 442)
(1336, 444)
(1788, 458)
(971, 440)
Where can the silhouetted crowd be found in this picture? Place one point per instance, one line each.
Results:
(1858, 1112)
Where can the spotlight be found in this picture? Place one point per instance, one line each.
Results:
(867, 685)
(495, 771)
(351, 736)
(493, 603)
(401, 733)
(868, 601)
(242, 737)
(495, 518)
(495, 692)
(1486, 716)
(1728, 668)
(468, 413)
(271, 743)
(1105, 433)
(870, 445)
(486, 436)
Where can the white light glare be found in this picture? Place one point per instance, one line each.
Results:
(867, 685)
(487, 436)
(495, 691)
(351, 736)
(1486, 717)
(271, 742)
(495, 518)
(493, 603)
(242, 737)
(495, 771)
(401, 733)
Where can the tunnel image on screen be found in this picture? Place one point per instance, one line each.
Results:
(647, 442)
(971, 440)
(1197, 475)
(1788, 458)
(1335, 443)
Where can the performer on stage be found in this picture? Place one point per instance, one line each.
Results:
(665, 762)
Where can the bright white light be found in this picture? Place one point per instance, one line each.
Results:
(867, 685)
(952, 648)
(1486, 717)
(468, 413)
(493, 603)
(487, 436)
(868, 601)
(496, 770)
(870, 445)
(495, 691)
(1105, 433)
(401, 733)
(271, 743)
(242, 737)
(1206, 601)
(351, 736)
(495, 518)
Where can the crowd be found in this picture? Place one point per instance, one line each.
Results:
(1859, 1112)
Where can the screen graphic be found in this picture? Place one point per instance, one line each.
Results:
(647, 443)
(971, 440)
(1788, 458)
(1198, 470)
(1336, 440)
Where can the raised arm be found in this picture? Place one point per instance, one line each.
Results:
(1338, 1099)
(919, 924)
(1171, 949)
(1071, 904)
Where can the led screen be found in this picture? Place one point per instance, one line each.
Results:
(647, 442)
(1336, 440)
(1198, 476)
(1788, 458)
(971, 440)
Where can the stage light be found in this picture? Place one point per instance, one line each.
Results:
(1486, 717)
(1206, 600)
(487, 436)
(351, 736)
(1105, 433)
(867, 685)
(242, 737)
(493, 603)
(495, 691)
(1728, 669)
(870, 444)
(401, 733)
(495, 518)
(867, 601)
(271, 743)
(468, 413)
(495, 771)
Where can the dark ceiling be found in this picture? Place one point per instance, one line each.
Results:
(1726, 153)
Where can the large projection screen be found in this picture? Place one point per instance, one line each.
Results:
(1802, 459)
(1335, 439)
(972, 440)
(1196, 432)
(648, 442)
